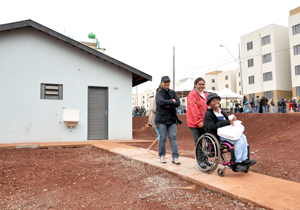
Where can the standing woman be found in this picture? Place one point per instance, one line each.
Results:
(166, 119)
(152, 124)
(196, 108)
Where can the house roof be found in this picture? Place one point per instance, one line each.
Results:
(138, 77)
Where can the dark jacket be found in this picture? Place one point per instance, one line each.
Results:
(165, 107)
(264, 101)
(294, 103)
(211, 122)
(252, 104)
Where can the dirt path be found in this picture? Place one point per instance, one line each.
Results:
(273, 139)
(89, 178)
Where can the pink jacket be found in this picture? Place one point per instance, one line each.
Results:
(196, 108)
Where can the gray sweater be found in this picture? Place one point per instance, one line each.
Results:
(256, 101)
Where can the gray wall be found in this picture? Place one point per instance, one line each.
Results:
(27, 59)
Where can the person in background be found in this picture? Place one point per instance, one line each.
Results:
(245, 103)
(152, 123)
(241, 108)
(180, 111)
(280, 105)
(284, 105)
(231, 106)
(133, 112)
(294, 104)
(272, 106)
(252, 104)
(256, 103)
(166, 119)
(299, 105)
(291, 106)
(263, 104)
(268, 108)
(236, 106)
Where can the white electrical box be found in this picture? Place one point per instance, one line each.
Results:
(71, 117)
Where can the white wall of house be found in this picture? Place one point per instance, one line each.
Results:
(209, 83)
(230, 82)
(27, 59)
(238, 81)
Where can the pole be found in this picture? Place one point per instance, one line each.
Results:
(240, 62)
(174, 68)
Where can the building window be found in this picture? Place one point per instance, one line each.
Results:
(213, 88)
(268, 94)
(265, 40)
(239, 74)
(226, 77)
(147, 94)
(250, 62)
(298, 91)
(133, 99)
(268, 76)
(296, 29)
(152, 93)
(240, 92)
(52, 91)
(132, 103)
(249, 46)
(297, 70)
(239, 83)
(251, 95)
(266, 58)
(226, 86)
(213, 80)
(143, 96)
(251, 80)
(297, 49)
(183, 100)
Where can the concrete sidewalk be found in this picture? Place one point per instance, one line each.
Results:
(261, 190)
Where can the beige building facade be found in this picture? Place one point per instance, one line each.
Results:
(227, 79)
(294, 38)
(266, 63)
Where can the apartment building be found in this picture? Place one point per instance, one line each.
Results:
(238, 81)
(294, 37)
(227, 79)
(266, 63)
(211, 80)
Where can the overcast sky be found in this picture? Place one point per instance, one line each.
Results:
(142, 33)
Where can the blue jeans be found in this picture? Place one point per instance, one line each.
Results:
(171, 130)
(284, 110)
(257, 109)
(245, 108)
(273, 109)
(158, 136)
(240, 148)
(295, 109)
(236, 110)
(280, 109)
(264, 108)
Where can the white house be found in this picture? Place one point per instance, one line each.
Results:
(55, 89)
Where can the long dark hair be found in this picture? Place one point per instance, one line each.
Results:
(159, 87)
(198, 80)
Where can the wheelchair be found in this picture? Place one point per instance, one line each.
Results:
(208, 152)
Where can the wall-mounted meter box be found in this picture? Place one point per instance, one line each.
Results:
(71, 117)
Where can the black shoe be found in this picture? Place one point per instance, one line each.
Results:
(249, 162)
(240, 167)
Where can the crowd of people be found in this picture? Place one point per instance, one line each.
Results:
(263, 105)
(139, 111)
(203, 115)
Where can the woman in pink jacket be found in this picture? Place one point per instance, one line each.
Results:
(196, 108)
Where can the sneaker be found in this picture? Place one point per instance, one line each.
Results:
(249, 162)
(175, 161)
(163, 159)
(202, 165)
(240, 167)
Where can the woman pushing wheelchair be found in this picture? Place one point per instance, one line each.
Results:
(216, 118)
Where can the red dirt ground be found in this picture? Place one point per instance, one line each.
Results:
(90, 178)
(275, 139)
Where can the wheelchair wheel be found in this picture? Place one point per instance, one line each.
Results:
(207, 153)
(221, 172)
(225, 155)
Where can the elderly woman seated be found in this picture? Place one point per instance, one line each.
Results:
(216, 118)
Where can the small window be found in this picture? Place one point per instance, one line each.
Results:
(147, 94)
(52, 91)
(240, 92)
(297, 70)
(297, 49)
(298, 91)
(251, 95)
(266, 58)
(183, 100)
(249, 45)
(226, 77)
(143, 96)
(239, 74)
(226, 86)
(296, 29)
(143, 102)
(239, 83)
(213, 88)
(265, 40)
(250, 62)
(251, 80)
(268, 94)
(133, 99)
(152, 93)
(267, 76)
(213, 80)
